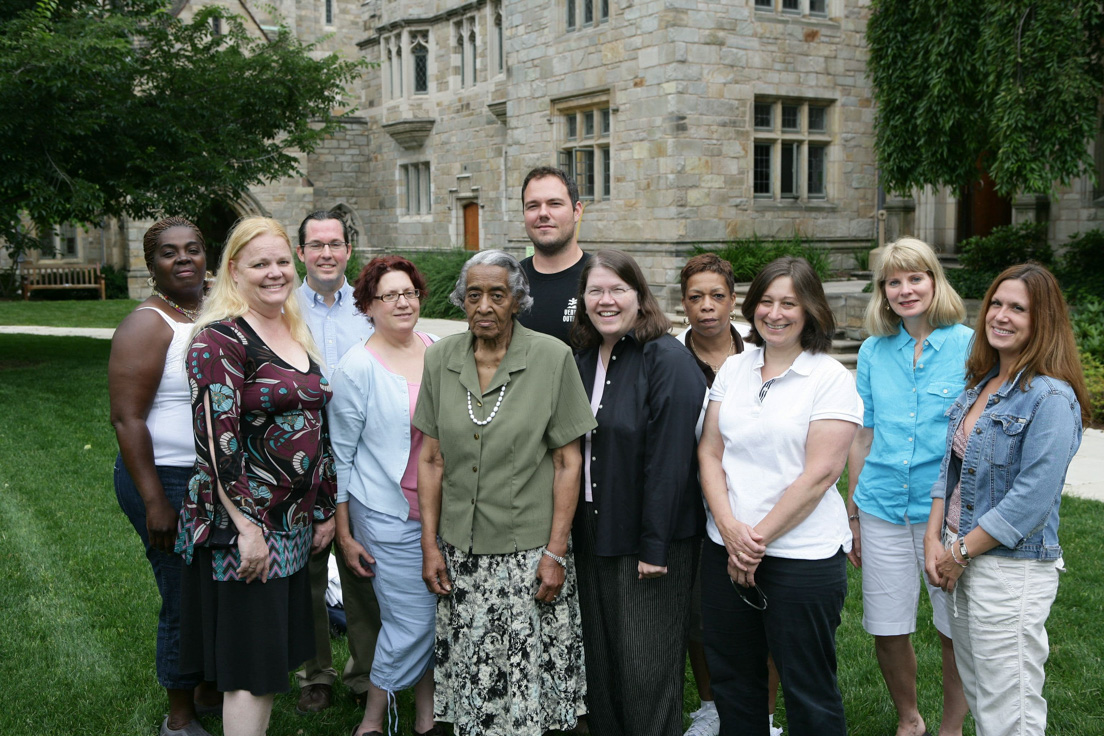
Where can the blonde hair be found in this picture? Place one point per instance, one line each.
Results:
(225, 302)
(911, 255)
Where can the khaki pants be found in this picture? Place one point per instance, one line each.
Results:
(363, 620)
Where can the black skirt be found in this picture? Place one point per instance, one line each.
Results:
(244, 636)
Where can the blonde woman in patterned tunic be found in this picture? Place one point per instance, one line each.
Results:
(261, 497)
(501, 408)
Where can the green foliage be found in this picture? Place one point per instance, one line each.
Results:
(984, 257)
(1081, 267)
(1008, 86)
(862, 258)
(120, 109)
(748, 256)
(1093, 367)
(1006, 246)
(441, 269)
(115, 282)
(1087, 318)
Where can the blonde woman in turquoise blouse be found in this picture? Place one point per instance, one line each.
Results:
(910, 371)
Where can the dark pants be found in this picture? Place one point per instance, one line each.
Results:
(166, 569)
(634, 632)
(798, 627)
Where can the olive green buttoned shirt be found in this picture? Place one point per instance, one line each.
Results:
(497, 488)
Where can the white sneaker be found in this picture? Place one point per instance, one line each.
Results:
(774, 730)
(706, 721)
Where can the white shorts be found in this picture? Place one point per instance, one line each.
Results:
(892, 572)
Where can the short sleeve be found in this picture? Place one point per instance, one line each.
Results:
(571, 416)
(836, 397)
(425, 411)
(720, 382)
(862, 380)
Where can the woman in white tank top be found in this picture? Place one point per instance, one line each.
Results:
(151, 412)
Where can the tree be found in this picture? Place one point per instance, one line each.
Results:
(116, 108)
(1010, 87)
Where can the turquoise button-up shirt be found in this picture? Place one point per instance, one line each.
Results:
(906, 406)
(335, 328)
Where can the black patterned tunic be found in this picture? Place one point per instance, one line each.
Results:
(267, 443)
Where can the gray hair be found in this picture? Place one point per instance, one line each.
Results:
(516, 279)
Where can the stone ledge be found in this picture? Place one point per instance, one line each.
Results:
(410, 134)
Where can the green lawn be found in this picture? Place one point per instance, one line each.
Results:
(79, 604)
(77, 313)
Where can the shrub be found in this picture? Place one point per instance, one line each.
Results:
(1094, 381)
(440, 268)
(1087, 318)
(115, 282)
(984, 257)
(1080, 268)
(748, 256)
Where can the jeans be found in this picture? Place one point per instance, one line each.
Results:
(804, 599)
(166, 569)
(998, 623)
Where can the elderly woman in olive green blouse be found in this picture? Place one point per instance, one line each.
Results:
(502, 408)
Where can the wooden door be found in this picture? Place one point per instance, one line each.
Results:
(471, 226)
(980, 208)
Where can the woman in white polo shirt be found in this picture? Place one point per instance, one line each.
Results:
(781, 417)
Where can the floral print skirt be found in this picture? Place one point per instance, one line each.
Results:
(507, 664)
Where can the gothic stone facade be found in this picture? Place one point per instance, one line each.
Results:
(685, 121)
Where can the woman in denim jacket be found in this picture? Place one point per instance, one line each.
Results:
(992, 537)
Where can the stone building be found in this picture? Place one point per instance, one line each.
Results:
(684, 122)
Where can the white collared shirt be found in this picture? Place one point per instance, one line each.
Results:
(335, 328)
(764, 444)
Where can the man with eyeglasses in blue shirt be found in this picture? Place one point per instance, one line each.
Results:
(326, 298)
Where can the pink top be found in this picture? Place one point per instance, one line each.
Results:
(409, 482)
(954, 503)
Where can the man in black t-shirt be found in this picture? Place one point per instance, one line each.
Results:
(550, 200)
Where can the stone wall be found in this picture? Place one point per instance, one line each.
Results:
(680, 80)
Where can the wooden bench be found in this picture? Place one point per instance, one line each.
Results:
(62, 277)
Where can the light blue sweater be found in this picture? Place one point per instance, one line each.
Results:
(369, 424)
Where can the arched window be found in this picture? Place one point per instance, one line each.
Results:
(420, 52)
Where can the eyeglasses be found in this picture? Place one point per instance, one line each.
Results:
(393, 296)
(740, 592)
(616, 292)
(315, 247)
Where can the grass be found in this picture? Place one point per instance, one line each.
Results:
(76, 313)
(80, 606)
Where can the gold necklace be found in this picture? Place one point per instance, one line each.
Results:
(191, 314)
(731, 352)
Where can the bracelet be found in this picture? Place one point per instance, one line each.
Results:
(853, 517)
(955, 558)
(962, 549)
(562, 561)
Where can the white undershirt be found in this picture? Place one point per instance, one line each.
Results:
(595, 402)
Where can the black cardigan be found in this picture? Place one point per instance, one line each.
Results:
(643, 460)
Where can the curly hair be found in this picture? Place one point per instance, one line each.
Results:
(364, 288)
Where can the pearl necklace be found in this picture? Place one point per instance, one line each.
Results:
(189, 313)
(494, 411)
